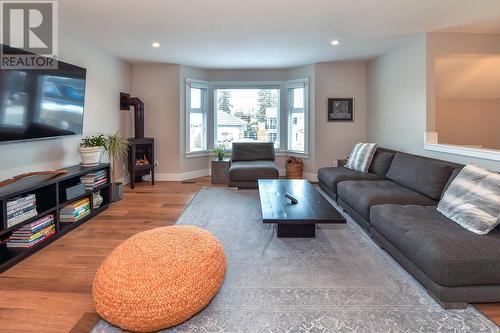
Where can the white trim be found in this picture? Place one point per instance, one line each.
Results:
(312, 177)
(124, 180)
(431, 143)
(200, 84)
(297, 154)
(298, 83)
(197, 84)
(195, 154)
(245, 84)
(169, 177)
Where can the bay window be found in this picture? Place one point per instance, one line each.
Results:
(246, 112)
(197, 116)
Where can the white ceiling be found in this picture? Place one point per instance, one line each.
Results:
(265, 33)
(468, 78)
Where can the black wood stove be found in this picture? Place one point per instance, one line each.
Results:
(141, 153)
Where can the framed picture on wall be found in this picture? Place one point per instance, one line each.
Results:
(340, 109)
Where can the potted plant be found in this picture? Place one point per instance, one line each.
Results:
(116, 148)
(220, 152)
(91, 148)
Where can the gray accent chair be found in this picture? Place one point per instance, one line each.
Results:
(251, 161)
(395, 203)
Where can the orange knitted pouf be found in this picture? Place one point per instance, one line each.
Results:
(159, 278)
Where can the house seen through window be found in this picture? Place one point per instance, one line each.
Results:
(247, 115)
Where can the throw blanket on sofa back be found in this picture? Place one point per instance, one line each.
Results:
(473, 200)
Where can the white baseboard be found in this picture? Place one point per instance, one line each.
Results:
(312, 177)
(172, 177)
(124, 180)
(176, 177)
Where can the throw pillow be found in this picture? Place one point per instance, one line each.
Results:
(361, 156)
(473, 200)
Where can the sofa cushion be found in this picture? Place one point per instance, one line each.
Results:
(424, 175)
(381, 162)
(444, 251)
(361, 156)
(331, 176)
(473, 200)
(252, 151)
(362, 195)
(249, 171)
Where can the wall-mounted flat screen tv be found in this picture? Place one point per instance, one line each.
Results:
(41, 103)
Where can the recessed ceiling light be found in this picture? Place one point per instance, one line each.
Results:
(335, 42)
(155, 44)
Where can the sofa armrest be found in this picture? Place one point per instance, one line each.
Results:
(341, 162)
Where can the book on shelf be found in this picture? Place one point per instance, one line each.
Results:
(70, 219)
(19, 212)
(21, 218)
(94, 179)
(35, 226)
(33, 243)
(19, 200)
(20, 209)
(22, 205)
(75, 211)
(32, 233)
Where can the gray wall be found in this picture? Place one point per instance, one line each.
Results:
(334, 140)
(157, 85)
(398, 90)
(397, 97)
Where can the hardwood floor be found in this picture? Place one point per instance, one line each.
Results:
(50, 292)
(490, 310)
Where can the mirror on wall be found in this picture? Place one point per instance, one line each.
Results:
(468, 101)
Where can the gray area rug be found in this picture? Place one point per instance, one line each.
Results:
(338, 282)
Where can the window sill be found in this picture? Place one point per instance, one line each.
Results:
(292, 153)
(277, 153)
(483, 153)
(196, 154)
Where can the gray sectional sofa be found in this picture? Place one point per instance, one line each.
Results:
(395, 203)
(251, 161)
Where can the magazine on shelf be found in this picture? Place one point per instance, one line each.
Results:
(33, 237)
(20, 212)
(18, 200)
(67, 219)
(21, 218)
(21, 205)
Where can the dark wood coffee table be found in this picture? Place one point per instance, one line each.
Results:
(295, 220)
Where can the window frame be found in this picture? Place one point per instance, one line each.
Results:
(248, 85)
(203, 86)
(299, 83)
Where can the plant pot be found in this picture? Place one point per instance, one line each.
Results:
(116, 192)
(91, 156)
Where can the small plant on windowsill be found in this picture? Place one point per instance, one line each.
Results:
(91, 148)
(220, 152)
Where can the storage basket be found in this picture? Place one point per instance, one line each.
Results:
(294, 168)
